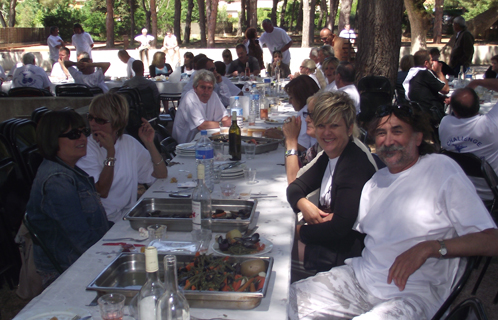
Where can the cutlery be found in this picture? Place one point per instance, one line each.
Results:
(126, 239)
(259, 197)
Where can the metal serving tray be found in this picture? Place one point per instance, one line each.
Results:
(264, 144)
(165, 208)
(126, 275)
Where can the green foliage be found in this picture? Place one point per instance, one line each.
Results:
(263, 13)
(476, 7)
(28, 14)
(63, 16)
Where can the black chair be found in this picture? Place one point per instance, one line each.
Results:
(10, 262)
(73, 90)
(38, 113)
(38, 241)
(468, 309)
(29, 92)
(135, 114)
(374, 92)
(96, 90)
(465, 269)
(3, 94)
(174, 98)
(168, 147)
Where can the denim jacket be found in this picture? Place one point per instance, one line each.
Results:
(65, 210)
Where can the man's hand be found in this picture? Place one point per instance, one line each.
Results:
(409, 261)
(311, 214)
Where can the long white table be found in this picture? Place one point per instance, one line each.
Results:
(276, 223)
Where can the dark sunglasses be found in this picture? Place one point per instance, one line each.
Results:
(75, 133)
(403, 110)
(306, 114)
(97, 120)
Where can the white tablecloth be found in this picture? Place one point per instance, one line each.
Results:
(276, 223)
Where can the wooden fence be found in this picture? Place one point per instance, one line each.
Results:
(10, 36)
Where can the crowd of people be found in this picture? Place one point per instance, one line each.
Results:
(384, 230)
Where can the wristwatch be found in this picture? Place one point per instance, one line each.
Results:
(109, 162)
(291, 152)
(442, 251)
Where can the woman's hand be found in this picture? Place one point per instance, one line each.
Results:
(311, 214)
(105, 141)
(291, 128)
(146, 132)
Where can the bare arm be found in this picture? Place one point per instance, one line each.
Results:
(484, 243)
(436, 66)
(209, 125)
(491, 84)
(146, 134)
(106, 177)
(291, 133)
(226, 121)
(287, 46)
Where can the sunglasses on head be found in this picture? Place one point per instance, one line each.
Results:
(403, 110)
(97, 120)
(75, 133)
(306, 114)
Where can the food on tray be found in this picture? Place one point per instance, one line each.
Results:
(189, 176)
(253, 141)
(173, 180)
(210, 273)
(217, 214)
(235, 244)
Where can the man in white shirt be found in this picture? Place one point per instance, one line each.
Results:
(276, 39)
(30, 75)
(199, 109)
(467, 131)
(82, 40)
(88, 72)
(54, 43)
(170, 47)
(348, 33)
(59, 70)
(419, 214)
(344, 79)
(145, 40)
(124, 56)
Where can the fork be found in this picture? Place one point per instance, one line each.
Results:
(126, 239)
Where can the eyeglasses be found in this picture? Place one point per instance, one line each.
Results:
(403, 110)
(306, 114)
(97, 120)
(75, 133)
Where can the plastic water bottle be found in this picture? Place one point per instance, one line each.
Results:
(254, 110)
(236, 107)
(468, 74)
(204, 154)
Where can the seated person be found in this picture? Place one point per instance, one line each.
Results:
(221, 67)
(445, 69)
(308, 67)
(30, 75)
(314, 57)
(59, 70)
(199, 109)
(344, 168)
(238, 67)
(283, 68)
(116, 161)
(188, 63)
(405, 64)
(227, 58)
(492, 72)
(467, 131)
(329, 67)
(324, 52)
(159, 65)
(409, 262)
(142, 84)
(124, 56)
(64, 207)
(89, 72)
(170, 46)
(344, 79)
(253, 48)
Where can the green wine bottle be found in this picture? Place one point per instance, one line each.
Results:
(234, 139)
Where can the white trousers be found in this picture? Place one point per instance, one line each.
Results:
(337, 294)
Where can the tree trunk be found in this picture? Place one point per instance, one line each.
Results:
(311, 30)
(202, 22)
(333, 5)
(242, 17)
(378, 50)
(482, 22)
(293, 10)
(109, 24)
(188, 21)
(344, 14)
(419, 21)
(177, 27)
(213, 12)
(323, 13)
(132, 22)
(147, 16)
(273, 15)
(153, 18)
(12, 13)
(253, 21)
(305, 39)
(438, 21)
(2, 21)
(282, 14)
(299, 21)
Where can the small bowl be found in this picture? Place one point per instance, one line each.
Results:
(227, 190)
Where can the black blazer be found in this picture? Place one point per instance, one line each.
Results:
(352, 171)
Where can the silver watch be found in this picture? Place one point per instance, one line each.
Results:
(109, 162)
(443, 251)
(291, 152)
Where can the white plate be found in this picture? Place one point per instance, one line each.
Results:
(67, 314)
(268, 247)
(186, 146)
(274, 122)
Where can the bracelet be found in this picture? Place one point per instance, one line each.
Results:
(156, 164)
(109, 162)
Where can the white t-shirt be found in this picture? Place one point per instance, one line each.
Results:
(475, 135)
(30, 76)
(276, 39)
(304, 139)
(431, 200)
(353, 93)
(133, 166)
(144, 40)
(52, 42)
(170, 42)
(313, 76)
(96, 79)
(192, 113)
(58, 73)
(326, 186)
(129, 68)
(82, 42)
(2, 74)
(331, 87)
(223, 89)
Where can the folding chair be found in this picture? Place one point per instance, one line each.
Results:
(29, 92)
(73, 90)
(468, 309)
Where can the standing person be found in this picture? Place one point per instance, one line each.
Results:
(276, 39)
(54, 43)
(145, 40)
(59, 70)
(463, 47)
(253, 47)
(170, 47)
(82, 40)
(328, 37)
(30, 75)
(348, 33)
(124, 56)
